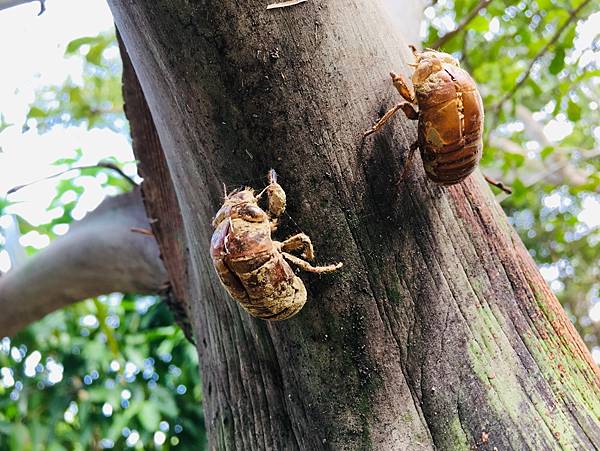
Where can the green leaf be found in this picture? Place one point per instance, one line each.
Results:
(35, 112)
(53, 446)
(20, 438)
(75, 44)
(480, 24)
(514, 159)
(3, 124)
(149, 415)
(588, 74)
(94, 56)
(537, 90)
(573, 111)
(546, 151)
(164, 399)
(558, 62)
(519, 191)
(122, 419)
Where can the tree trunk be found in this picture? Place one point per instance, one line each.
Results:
(438, 332)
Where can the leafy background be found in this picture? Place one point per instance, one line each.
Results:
(116, 372)
(112, 372)
(537, 65)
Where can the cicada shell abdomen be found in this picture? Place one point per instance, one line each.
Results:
(450, 125)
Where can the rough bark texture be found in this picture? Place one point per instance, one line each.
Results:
(100, 254)
(163, 208)
(438, 333)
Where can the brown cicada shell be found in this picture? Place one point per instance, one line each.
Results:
(450, 115)
(254, 268)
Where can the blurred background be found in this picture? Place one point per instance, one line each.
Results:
(115, 371)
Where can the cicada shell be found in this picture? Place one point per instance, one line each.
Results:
(253, 267)
(449, 109)
(450, 118)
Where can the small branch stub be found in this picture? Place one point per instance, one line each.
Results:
(285, 4)
(5, 4)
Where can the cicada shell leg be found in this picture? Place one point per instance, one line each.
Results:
(408, 109)
(409, 159)
(402, 86)
(302, 264)
(301, 242)
(276, 198)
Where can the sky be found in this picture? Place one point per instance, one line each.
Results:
(35, 46)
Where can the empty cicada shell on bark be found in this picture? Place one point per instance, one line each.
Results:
(254, 268)
(450, 115)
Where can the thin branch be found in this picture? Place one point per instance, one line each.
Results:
(525, 75)
(5, 4)
(118, 170)
(498, 184)
(101, 164)
(142, 231)
(98, 255)
(461, 26)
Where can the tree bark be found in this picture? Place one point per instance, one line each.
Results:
(162, 207)
(100, 254)
(439, 331)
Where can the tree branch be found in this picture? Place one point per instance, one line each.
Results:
(5, 4)
(100, 164)
(462, 25)
(99, 255)
(525, 75)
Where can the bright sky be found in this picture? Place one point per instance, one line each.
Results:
(35, 45)
(37, 52)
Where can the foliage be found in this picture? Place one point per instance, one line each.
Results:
(95, 100)
(101, 374)
(112, 372)
(555, 181)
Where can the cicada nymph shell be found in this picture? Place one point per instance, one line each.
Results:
(449, 109)
(253, 268)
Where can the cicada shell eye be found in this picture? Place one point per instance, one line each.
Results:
(235, 198)
(251, 213)
(445, 58)
(431, 62)
(243, 196)
(448, 59)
